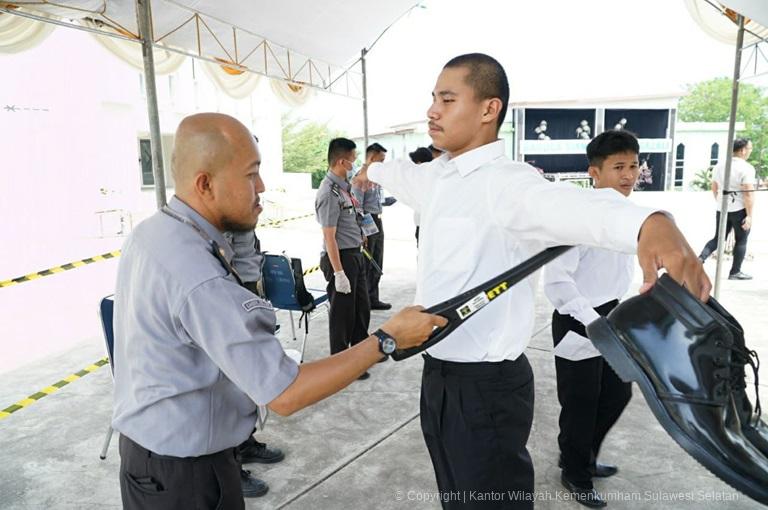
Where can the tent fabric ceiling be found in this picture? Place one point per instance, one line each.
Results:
(719, 26)
(307, 42)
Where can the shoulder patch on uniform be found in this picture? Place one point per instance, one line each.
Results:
(255, 303)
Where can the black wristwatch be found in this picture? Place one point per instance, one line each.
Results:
(387, 344)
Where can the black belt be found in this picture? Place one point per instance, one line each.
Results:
(474, 368)
(150, 454)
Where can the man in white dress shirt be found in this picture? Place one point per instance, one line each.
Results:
(481, 214)
(584, 284)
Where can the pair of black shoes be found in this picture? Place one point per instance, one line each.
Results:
(689, 360)
(252, 451)
(586, 494)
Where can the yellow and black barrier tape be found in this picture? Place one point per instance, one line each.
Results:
(53, 388)
(273, 223)
(311, 270)
(106, 256)
(60, 269)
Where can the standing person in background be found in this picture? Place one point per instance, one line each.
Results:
(583, 284)
(342, 262)
(740, 188)
(419, 156)
(370, 200)
(248, 261)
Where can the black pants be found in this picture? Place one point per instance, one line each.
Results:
(476, 418)
(592, 397)
(376, 249)
(149, 481)
(740, 247)
(350, 313)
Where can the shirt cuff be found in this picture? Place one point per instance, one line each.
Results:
(629, 222)
(587, 316)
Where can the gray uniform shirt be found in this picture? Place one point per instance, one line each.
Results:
(334, 208)
(371, 199)
(194, 351)
(248, 258)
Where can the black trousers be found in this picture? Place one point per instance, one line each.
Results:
(149, 481)
(740, 246)
(592, 397)
(376, 249)
(350, 314)
(476, 418)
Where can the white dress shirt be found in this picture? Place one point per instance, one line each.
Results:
(482, 214)
(580, 280)
(742, 173)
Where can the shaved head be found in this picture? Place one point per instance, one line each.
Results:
(216, 165)
(204, 142)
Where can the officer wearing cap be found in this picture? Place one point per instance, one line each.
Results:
(370, 198)
(196, 362)
(339, 214)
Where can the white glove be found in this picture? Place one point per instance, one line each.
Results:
(341, 282)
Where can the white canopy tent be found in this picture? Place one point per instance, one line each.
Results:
(745, 23)
(314, 44)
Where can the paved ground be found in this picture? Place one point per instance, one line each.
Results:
(359, 449)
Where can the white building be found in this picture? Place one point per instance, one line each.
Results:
(698, 146)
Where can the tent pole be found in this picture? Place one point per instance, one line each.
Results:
(144, 18)
(363, 53)
(729, 155)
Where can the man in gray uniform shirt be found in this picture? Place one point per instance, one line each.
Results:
(195, 351)
(341, 261)
(370, 199)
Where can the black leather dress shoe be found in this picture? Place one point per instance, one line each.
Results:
(252, 451)
(753, 428)
(597, 470)
(604, 470)
(680, 353)
(586, 496)
(379, 305)
(252, 487)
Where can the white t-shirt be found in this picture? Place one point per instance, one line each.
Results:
(741, 173)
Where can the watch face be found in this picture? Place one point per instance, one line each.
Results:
(388, 345)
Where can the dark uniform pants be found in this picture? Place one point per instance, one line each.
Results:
(149, 481)
(740, 246)
(592, 397)
(476, 418)
(350, 314)
(376, 249)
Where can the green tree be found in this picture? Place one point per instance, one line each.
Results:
(305, 147)
(710, 101)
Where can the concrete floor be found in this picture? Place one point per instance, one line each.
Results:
(361, 448)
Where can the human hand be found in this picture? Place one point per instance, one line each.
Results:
(662, 245)
(411, 327)
(341, 282)
(747, 223)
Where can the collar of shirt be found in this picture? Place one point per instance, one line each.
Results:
(474, 159)
(180, 207)
(342, 183)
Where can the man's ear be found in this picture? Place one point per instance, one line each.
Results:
(203, 184)
(492, 109)
(594, 172)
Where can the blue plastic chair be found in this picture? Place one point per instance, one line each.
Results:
(280, 290)
(106, 314)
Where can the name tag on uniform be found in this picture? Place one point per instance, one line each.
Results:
(368, 225)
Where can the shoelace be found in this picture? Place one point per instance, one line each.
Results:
(737, 381)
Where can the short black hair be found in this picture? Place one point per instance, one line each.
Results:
(486, 77)
(375, 147)
(338, 148)
(609, 143)
(740, 143)
(421, 155)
